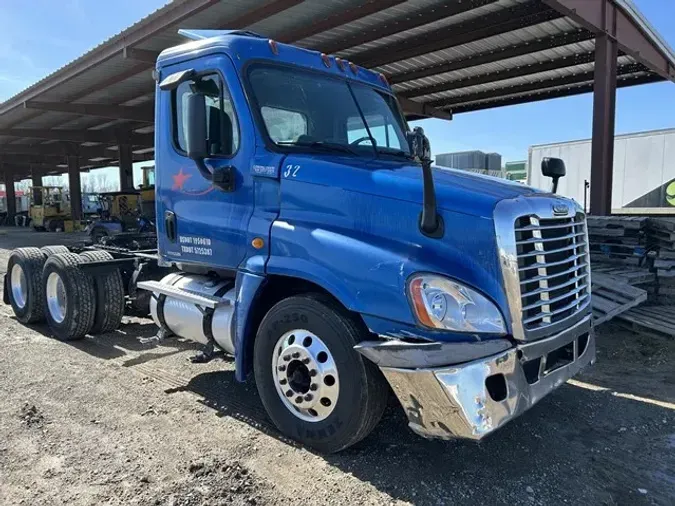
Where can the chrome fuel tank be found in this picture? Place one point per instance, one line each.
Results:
(187, 320)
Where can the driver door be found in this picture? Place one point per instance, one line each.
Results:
(198, 222)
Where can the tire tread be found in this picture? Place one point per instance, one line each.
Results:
(33, 260)
(109, 295)
(82, 296)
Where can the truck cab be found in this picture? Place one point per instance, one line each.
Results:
(302, 228)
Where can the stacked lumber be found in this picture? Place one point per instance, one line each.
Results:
(618, 239)
(661, 240)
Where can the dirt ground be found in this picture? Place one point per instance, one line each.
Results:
(114, 421)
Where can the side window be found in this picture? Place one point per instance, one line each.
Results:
(221, 121)
(284, 125)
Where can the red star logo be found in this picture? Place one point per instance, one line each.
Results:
(179, 180)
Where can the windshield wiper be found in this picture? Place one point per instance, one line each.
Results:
(331, 146)
(395, 152)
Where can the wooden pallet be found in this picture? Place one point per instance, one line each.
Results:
(625, 222)
(655, 319)
(611, 296)
(630, 275)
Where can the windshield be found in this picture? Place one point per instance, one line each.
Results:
(311, 110)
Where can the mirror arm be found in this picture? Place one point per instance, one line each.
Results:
(431, 224)
(555, 185)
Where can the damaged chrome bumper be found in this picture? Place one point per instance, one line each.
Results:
(472, 399)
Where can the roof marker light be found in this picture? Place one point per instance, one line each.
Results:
(274, 46)
(383, 78)
(325, 59)
(353, 67)
(340, 63)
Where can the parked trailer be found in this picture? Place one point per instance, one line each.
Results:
(643, 178)
(302, 228)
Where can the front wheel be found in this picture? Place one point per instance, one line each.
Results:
(314, 385)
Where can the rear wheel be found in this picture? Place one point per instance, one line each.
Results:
(109, 295)
(54, 250)
(70, 297)
(314, 385)
(24, 278)
(97, 234)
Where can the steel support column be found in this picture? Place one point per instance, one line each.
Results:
(10, 195)
(75, 187)
(604, 102)
(126, 168)
(36, 180)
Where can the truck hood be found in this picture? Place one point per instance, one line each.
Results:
(456, 191)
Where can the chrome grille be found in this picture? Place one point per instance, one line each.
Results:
(553, 269)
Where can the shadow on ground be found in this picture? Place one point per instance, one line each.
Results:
(567, 435)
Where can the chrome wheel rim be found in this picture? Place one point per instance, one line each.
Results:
(19, 286)
(57, 301)
(305, 375)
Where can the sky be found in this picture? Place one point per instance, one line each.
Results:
(39, 36)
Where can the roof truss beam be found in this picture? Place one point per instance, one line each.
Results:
(141, 55)
(548, 94)
(341, 18)
(420, 17)
(57, 149)
(500, 75)
(504, 21)
(492, 56)
(142, 114)
(37, 161)
(420, 110)
(104, 136)
(604, 16)
(630, 68)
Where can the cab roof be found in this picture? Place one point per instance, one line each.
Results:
(246, 46)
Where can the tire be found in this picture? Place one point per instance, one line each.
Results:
(75, 318)
(140, 304)
(363, 391)
(54, 250)
(109, 295)
(98, 233)
(27, 303)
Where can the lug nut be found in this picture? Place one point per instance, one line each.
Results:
(282, 382)
(282, 367)
(313, 387)
(312, 373)
(296, 355)
(289, 393)
(309, 397)
(305, 360)
(298, 399)
(287, 358)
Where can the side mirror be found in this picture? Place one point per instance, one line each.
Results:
(195, 133)
(419, 145)
(553, 168)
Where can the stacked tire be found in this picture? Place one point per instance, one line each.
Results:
(49, 284)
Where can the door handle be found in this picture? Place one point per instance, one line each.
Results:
(170, 225)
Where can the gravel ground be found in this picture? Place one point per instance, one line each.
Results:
(113, 421)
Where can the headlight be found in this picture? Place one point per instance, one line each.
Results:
(440, 303)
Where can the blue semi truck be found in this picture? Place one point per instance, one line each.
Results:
(301, 228)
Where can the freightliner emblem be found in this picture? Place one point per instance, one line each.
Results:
(560, 209)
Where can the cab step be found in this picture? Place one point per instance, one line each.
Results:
(198, 299)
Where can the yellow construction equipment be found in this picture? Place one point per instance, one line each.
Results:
(147, 189)
(49, 208)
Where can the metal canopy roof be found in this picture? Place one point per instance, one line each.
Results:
(442, 57)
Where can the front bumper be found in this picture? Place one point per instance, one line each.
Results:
(473, 399)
